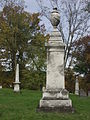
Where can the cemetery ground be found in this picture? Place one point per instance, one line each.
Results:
(22, 106)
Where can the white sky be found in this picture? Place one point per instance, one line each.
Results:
(32, 7)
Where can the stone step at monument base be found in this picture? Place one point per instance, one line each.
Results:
(56, 109)
(55, 106)
(55, 100)
(55, 103)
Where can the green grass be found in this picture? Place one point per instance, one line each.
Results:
(16, 106)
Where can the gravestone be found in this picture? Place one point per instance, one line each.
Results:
(82, 93)
(43, 89)
(77, 86)
(17, 83)
(0, 86)
(10, 86)
(55, 96)
(89, 93)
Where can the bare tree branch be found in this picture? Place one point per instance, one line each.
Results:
(77, 21)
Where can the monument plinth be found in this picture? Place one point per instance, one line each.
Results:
(55, 96)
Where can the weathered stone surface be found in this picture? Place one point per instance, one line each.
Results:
(17, 83)
(17, 73)
(55, 62)
(55, 103)
(55, 93)
(0, 86)
(55, 109)
(89, 93)
(16, 87)
(77, 86)
(43, 89)
(55, 96)
(55, 17)
(82, 93)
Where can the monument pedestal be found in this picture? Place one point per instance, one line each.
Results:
(57, 100)
(55, 96)
(16, 86)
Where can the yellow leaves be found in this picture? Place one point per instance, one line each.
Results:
(88, 57)
(4, 27)
(15, 29)
(34, 17)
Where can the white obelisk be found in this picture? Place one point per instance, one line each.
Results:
(17, 83)
(76, 86)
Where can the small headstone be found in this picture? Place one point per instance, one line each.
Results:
(89, 93)
(10, 86)
(77, 86)
(82, 93)
(0, 86)
(43, 89)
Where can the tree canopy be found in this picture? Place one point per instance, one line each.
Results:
(20, 30)
(81, 55)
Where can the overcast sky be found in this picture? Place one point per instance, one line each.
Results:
(33, 7)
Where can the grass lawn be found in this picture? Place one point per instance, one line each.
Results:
(23, 107)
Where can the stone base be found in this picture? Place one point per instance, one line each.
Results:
(57, 101)
(56, 109)
(16, 87)
(61, 94)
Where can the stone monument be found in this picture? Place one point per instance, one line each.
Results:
(55, 96)
(82, 93)
(89, 93)
(17, 83)
(0, 86)
(77, 86)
